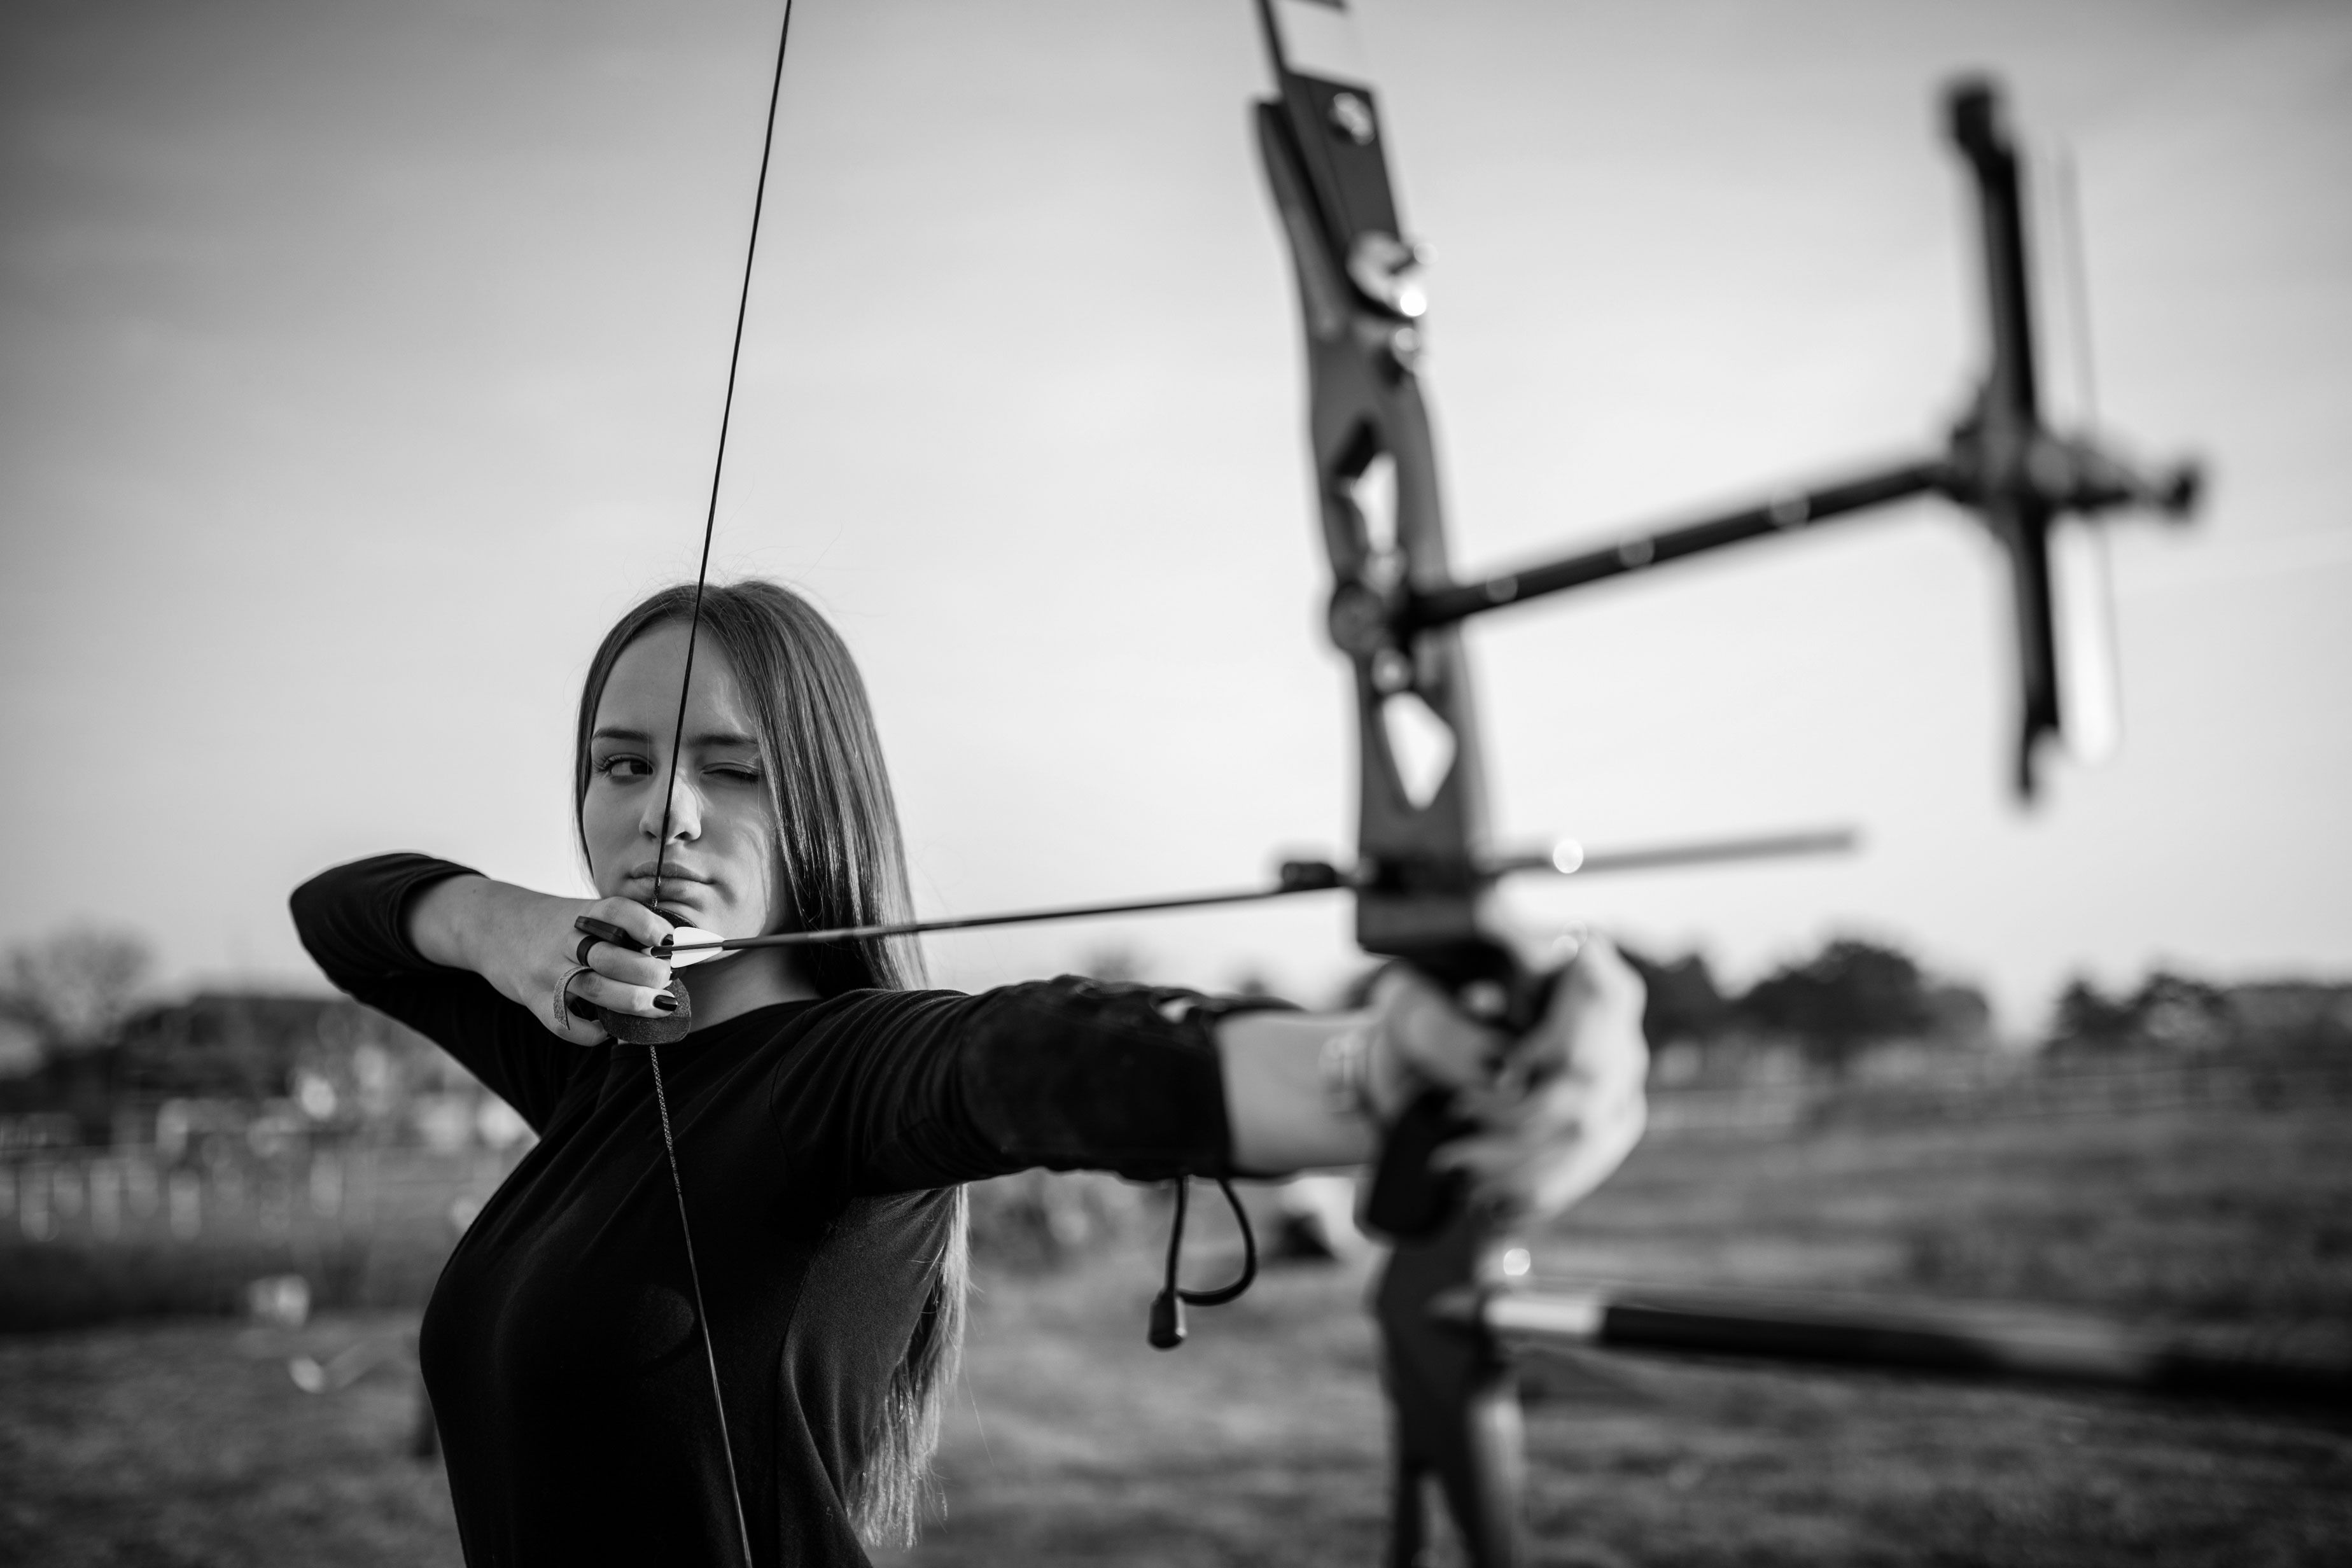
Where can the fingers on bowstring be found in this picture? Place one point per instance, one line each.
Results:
(610, 961)
(646, 925)
(621, 964)
(620, 997)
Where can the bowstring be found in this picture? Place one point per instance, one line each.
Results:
(669, 786)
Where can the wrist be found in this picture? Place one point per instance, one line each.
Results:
(1361, 1074)
(1344, 1067)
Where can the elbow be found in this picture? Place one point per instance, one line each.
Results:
(313, 908)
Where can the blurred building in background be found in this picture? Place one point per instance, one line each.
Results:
(272, 1071)
(200, 1145)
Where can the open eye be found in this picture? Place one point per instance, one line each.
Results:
(623, 767)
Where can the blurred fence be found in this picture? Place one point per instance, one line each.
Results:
(88, 1235)
(84, 1195)
(91, 1234)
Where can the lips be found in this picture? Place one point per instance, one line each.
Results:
(679, 894)
(646, 871)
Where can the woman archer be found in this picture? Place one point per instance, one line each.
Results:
(823, 1115)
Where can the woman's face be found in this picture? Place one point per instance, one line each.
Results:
(721, 869)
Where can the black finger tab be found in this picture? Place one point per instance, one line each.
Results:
(606, 931)
(637, 1030)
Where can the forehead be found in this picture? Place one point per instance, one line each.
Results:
(642, 692)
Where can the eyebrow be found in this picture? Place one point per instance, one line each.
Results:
(707, 738)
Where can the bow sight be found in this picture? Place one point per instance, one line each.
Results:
(2002, 460)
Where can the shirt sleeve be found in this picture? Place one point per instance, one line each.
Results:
(894, 1092)
(353, 920)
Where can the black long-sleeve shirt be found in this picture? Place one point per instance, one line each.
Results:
(818, 1144)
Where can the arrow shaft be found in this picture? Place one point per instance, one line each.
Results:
(1322, 878)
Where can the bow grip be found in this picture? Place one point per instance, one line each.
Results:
(1409, 1199)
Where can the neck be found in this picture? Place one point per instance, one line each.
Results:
(758, 978)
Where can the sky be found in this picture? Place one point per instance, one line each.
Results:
(359, 363)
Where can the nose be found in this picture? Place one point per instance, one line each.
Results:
(684, 813)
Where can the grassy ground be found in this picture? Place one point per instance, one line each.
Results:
(186, 1445)
(1261, 1441)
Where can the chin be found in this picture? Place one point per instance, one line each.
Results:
(688, 911)
(680, 904)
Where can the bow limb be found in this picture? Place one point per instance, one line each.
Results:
(1424, 881)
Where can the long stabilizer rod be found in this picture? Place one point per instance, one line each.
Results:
(1992, 1344)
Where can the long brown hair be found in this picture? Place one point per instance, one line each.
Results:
(844, 865)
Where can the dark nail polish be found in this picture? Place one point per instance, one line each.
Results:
(666, 1002)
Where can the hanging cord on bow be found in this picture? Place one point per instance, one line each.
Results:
(669, 788)
(1168, 1307)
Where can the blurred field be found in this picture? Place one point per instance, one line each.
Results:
(1261, 1441)
(187, 1445)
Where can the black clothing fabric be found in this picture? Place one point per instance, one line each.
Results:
(819, 1143)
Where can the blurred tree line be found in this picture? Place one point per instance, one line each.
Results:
(1851, 995)
(71, 991)
(64, 999)
(2170, 1010)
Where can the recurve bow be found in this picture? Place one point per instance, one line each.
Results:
(1426, 871)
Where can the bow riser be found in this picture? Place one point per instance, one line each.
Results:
(1423, 860)
(1425, 886)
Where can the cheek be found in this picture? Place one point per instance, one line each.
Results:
(604, 827)
(756, 858)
